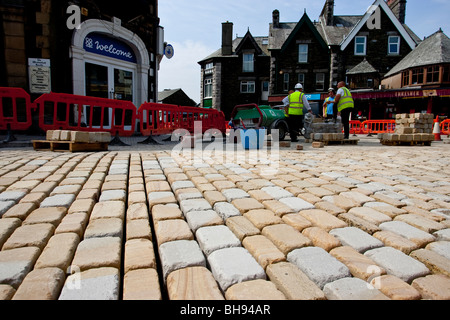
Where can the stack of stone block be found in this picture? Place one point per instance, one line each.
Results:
(411, 128)
(78, 136)
(327, 131)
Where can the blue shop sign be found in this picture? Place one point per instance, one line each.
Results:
(313, 96)
(106, 46)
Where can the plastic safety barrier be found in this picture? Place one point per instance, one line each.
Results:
(72, 112)
(445, 127)
(355, 127)
(15, 109)
(377, 126)
(158, 119)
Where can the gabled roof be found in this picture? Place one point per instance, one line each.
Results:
(363, 67)
(378, 4)
(433, 50)
(303, 21)
(248, 37)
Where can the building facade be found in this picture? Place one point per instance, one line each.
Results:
(102, 48)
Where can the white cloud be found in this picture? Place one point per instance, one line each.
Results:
(183, 71)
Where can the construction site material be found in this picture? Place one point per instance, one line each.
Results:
(73, 141)
(410, 129)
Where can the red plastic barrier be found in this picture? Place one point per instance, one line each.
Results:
(445, 127)
(15, 109)
(378, 126)
(72, 112)
(355, 127)
(157, 119)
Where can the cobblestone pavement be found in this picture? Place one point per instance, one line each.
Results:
(153, 222)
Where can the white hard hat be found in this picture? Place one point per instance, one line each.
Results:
(298, 86)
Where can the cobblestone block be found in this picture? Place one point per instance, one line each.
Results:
(198, 219)
(5, 206)
(436, 287)
(322, 219)
(138, 229)
(20, 211)
(420, 222)
(172, 230)
(59, 200)
(262, 218)
(395, 288)
(66, 189)
(397, 263)
(180, 254)
(113, 195)
(352, 289)
(75, 222)
(94, 284)
(97, 253)
(141, 284)
(226, 210)
(194, 205)
(15, 264)
(6, 292)
(396, 241)
(7, 227)
(370, 214)
(41, 284)
(420, 237)
(293, 283)
(247, 204)
(278, 207)
(297, 204)
(108, 209)
(193, 283)
(234, 265)
(263, 250)
(318, 265)
(385, 208)
(52, 215)
(358, 222)
(321, 238)
(59, 251)
(137, 211)
(356, 238)
(33, 235)
(285, 237)
(440, 247)
(139, 254)
(108, 227)
(164, 212)
(341, 202)
(214, 238)
(254, 290)
(15, 196)
(241, 227)
(357, 197)
(434, 261)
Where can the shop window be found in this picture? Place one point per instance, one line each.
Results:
(417, 76)
(405, 78)
(433, 74)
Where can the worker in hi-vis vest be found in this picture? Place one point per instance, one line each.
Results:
(293, 106)
(343, 106)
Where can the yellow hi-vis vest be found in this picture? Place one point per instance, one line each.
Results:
(346, 101)
(296, 103)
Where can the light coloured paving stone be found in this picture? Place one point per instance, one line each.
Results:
(180, 254)
(94, 284)
(421, 222)
(108, 227)
(263, 250)
(358, 222)
(139, 254)
(59, 251)
(318, 265)
(182, 185)
(241, 227)
(214, 238)
(34, 235)
(322, 219)
(434, 261)
(357, 197)
(396, 241)
(194, 205)
(277, 192)
(198, 219)
(97, 253)
(297, 204)
(20, 211)
(7, 227)
(24, 185)
(254, 290)
(359, 265)
(247, 204)
(162, 197)
(172, 230)
(41, 284)
(188, 193)
(234, 193)
(137, 211)
(278, 207)
(329, 207)
(319, 191)
(435, 287)
(234, 265)
(5, 206)
(356, 238)
(440, 247)
(285, 237)
(370, 214)
(293, 283)
(341, 202)
(321, 238)
(108, 209)
(15, 264)
(15, 196)
(309, 197)
(214, 196)
(397, 263)
(82, 205)
(6, 292)
(52, 215)
(59, 200)
(389, 198)
(420, 237)
(138, 229)
(260, 195)
(113, 195)
(226, 210)
(441, 235)
(75, 222)
(66, 189)
(193, 283)
(262, 218)
(352, 289)
(165, 212)
(395, 288)
(385, 208)
(141, 284)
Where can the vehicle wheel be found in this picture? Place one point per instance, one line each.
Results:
(282, 130)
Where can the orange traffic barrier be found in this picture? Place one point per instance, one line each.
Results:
(15, 109)
(158, 119)
(378, 126)
(355, 127)
(445, 127)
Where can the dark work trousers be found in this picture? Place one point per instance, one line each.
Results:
(295, 123)
(345, 114)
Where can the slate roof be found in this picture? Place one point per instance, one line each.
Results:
(433, 50)
(363, 67)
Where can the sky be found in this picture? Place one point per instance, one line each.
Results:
(194, 28)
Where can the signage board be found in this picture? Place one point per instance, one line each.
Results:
(39, 75)
(106, 46)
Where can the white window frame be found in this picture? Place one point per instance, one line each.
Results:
(396, 43)
(248, 62)
(320, 81)
(357, 45)
(301, 78)
(208, 88)
(209, 68)
(302, 53)
(248, 87)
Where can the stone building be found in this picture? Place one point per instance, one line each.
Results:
(96, 48)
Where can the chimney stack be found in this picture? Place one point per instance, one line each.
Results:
(276, 19)
(398, 7)
(329, 12)
(227, 38)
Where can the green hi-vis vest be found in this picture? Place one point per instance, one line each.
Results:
(296, 103)
(346, 100)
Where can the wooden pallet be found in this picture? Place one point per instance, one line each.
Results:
(405, 143)
(45, 145)
(341, 142)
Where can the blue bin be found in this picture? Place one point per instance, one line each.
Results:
(252, 138)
